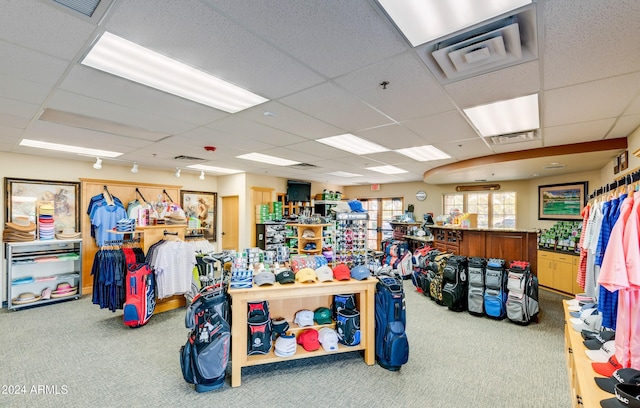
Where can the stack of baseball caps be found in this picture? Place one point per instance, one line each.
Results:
(21, 229)
(342, 272)
(626, 395)
(46, 229)
(285, 345)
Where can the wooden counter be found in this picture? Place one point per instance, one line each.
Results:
(507, 244)
(584, 390)
(285, 301)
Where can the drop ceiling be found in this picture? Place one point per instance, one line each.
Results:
(320, 64)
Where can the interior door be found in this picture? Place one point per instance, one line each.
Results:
(230, 213)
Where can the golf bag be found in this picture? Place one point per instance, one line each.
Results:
(454, 292)
(522, 301)
(495, 293)
(436, 270)
(475, 301)
(205, 355)
(392, 346)
(140, 296)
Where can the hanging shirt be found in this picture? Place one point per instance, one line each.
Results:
(104, 220)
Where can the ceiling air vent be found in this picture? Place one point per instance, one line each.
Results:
(494, 45)
(303, 166)
(188, 158)
(514, 138)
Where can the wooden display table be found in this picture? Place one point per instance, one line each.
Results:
(285, 301)
(584, 390)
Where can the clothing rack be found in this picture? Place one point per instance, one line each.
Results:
(168, 196)
(625, 180)
(141, 196)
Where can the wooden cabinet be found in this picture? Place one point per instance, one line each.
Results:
(310, 238)
(510, 245)
(558, 271)
(285, 301)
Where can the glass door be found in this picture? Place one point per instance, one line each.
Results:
(381, 212)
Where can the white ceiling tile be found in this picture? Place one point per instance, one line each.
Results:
(507, 83)
(24, 91)
(634, 107)
(394, 136)
(226, 50)
(52, 132)
(248, 130)
(577, 132)
(625, 126)
(22, 63)
(12, 108)
(287, 119)
(12, 121)
(320, 150)
(334, 37)
(411, 91)
(335, 106)
(465, 149)
(586, 40)
(442, 127)
(589, 101)
(38, 26)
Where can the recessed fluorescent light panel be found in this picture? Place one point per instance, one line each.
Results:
(511, 116)
(352, 144)
(68, 148)
(424, 153)
(131, 61)
(344, 174)
(263, 158)
(211, 169)
(422, 21)
(387, 169)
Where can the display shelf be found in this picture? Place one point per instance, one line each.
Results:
(316, 239)
(584, 390)
(284, 301)
(33, 267)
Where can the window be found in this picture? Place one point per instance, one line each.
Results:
(495, 210)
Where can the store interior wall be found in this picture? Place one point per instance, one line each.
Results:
(44, 168)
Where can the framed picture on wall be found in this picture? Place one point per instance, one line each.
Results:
(616, 165)
(201, 205)
(562, 201)
(624, 161)
(23, 197)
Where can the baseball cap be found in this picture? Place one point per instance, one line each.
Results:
(621, 376)
(627, 396)
(304, 318)
(324, 273)
(308, 233)
(285, 276)
(279, 326)
(607, 369)
(592, 321)
(328, 338)
(309, 339)
(264, 278)
(306, 275)
(578, 309)
(603, 353)
(583, 315)
(342, 272)
(598, 339)
(322, 315)
(360, 272)
(285, 345)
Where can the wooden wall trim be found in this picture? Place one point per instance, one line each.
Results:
(586, 147)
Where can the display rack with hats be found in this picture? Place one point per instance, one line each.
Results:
(310, 238)
(40, 272)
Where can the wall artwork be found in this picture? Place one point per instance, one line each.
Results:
(561, 201)
(23, 197)
(201, 205)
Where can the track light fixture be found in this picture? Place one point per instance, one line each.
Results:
(134, 169)
(177, 173)
(201, 175)
(98, 164)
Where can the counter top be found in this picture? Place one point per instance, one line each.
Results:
(452, 227)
